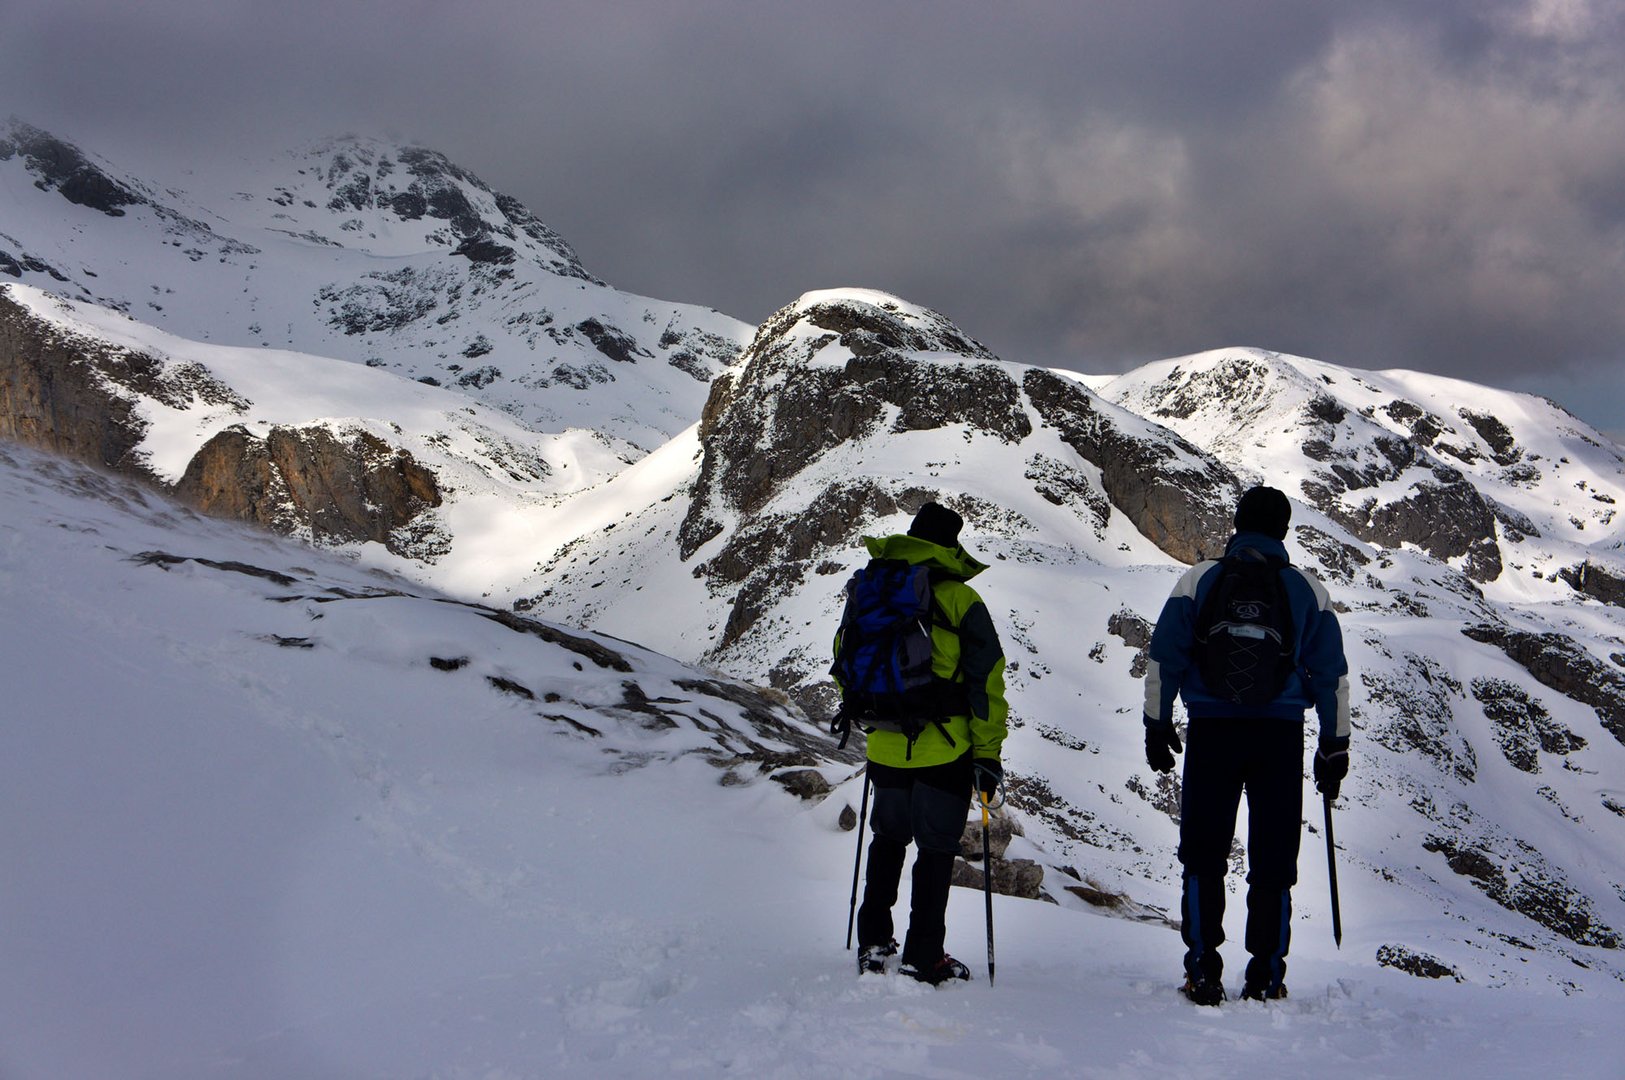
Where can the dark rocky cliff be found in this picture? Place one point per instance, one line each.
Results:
(79, 397)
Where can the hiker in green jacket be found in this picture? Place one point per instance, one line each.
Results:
(924, 776)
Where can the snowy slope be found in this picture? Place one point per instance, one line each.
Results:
(253, 830)
(381, 254)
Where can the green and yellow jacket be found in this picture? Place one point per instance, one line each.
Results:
(966, 651)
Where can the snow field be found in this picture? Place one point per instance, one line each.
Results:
(230, 858)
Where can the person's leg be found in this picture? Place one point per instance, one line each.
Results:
(891, 820)
(1275, 815)
(939, 809)
(1211, 794)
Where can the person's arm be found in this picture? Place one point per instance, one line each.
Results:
(981, 661)
(1169, 656)
(1326, 667)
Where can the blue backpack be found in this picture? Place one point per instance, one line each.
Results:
(883, 653)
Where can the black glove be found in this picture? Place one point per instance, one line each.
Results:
(1161, 744)
(989, 775)
(1331, 765)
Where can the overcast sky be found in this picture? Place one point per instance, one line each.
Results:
(1437, 185)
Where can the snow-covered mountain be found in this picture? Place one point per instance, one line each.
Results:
(1467, 535)
(1486, 480)
(391, 256)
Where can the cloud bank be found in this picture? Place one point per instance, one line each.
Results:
(1439, 186)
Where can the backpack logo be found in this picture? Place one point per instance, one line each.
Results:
(1246, 643)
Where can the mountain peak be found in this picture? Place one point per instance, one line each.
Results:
(373, 184)
(60, 166)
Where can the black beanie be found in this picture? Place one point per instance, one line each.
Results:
(1263, 510)
(937, 524)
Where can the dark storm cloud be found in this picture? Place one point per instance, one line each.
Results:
(1382, 184)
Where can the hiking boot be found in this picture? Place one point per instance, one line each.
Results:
(944, 970)
(1202, 991)
(872, 958)
(1263, 992)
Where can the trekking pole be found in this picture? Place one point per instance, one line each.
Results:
(987, 888)
(852, 908)
(1331, 872)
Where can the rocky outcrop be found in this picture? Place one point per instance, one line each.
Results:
(1379, 470)
(1422, 965)
(1528, 885)
(780, 410)
(79, 398)
(1561, 663)
(341, 486)
(1135, 630)
(60, 166)
(785, 406)
(1523, 727)
(1411, 710)
(415, 183)
(54, 395)
(1597, 581)
(82, 398)
(1178, 497)
(1443, 514)
(1011, 877)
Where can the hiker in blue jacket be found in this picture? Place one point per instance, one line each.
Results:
(1236, 747)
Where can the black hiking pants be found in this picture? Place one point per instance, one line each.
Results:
(928, 807)
(1224, 758)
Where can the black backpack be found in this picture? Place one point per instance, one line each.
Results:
(1246, 642)
(883, 653)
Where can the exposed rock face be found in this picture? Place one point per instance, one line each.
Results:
(1414, 712)
(1387, 487)
(54, 394)
(764, 425)
(1561, 663)
(349, 488)
(1023, 878)
(81, 398)
(1522, 725)
(78, 397)
(62, 167)
(1528, 886)
(1592, 578)
(1135, 631)
(1179, 497)
(1444, 514)
(1339, 560)
(825, 376)
(415, 183)
(1422, 965)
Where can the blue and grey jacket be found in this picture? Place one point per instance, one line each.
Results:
(1321, 679)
